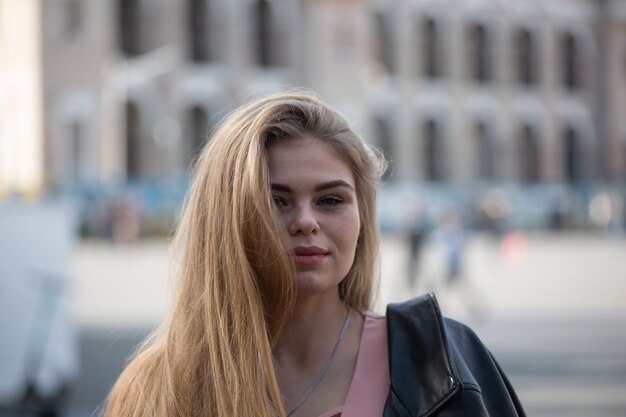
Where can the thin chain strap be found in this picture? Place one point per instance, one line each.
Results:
(324, 368)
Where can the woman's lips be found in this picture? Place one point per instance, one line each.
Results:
(309, 255)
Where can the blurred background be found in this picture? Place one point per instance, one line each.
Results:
(504, 123)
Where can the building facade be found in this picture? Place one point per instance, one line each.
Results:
(496, 90)
(453, 91)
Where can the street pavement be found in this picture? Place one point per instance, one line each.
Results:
(552, 308)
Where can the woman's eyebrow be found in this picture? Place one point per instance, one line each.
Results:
(333, 184)
(280, 187)
(319, 187)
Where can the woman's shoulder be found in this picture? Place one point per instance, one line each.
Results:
(457, 361)
(135, 368)
(130, 390)
(372, 315)
(420, 320)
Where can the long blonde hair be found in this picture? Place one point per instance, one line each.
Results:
(235, 282)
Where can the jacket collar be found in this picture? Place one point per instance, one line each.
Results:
(423, 375)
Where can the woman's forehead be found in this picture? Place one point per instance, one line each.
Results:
(307, 158)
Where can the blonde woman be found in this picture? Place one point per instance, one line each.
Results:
(278, 266)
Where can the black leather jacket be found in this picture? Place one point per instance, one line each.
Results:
(440, 368)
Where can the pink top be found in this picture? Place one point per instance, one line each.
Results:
(370, 383)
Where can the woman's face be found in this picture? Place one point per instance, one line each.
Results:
(315, 196)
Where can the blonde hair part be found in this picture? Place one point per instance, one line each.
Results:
(235, 282)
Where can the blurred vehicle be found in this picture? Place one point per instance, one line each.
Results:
(38, 352)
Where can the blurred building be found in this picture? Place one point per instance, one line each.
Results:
(501, 90)
(452, 91)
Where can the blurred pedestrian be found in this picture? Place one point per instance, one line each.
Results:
(495, 207)
(126, 218)
(453, 238)
(606, 210)
(273, 310)
(418, 233)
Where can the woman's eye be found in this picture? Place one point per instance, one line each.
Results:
(330, 200)
(279, 202)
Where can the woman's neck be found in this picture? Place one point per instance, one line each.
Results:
(312, 329)
(314, 369)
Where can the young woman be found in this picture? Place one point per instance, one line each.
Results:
(278, 267)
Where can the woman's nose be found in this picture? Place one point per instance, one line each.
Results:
(303, 221)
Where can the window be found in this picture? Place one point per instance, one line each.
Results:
(526, 58)
(529, 154)
(479, 53)
(384, 42)
(263, 33)
(129, 30)
(198, 25)
(133, 141)
(570, 62)
(384, 140)
(433, 151)
(199, 123)
(572, 156)
(73, 15)
(75, 130)
(624, 163)
(431, 49)
(485, 152)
